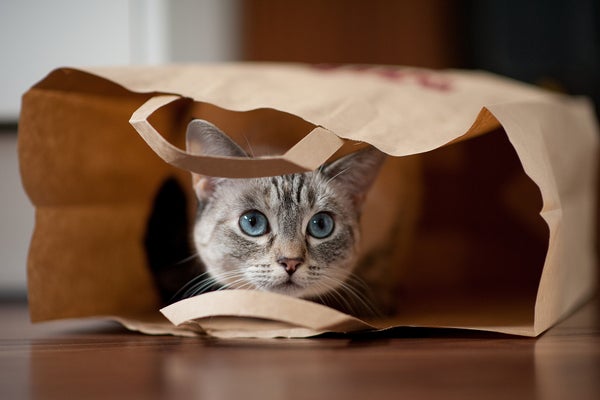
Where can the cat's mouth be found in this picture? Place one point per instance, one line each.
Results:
(289, 284)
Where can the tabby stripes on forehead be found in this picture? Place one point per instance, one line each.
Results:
(288, 188)
(292, 187)
(300, 187)
(276, 187)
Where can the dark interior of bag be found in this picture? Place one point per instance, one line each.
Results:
(481, 242)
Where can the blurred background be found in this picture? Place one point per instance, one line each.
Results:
(551, 43)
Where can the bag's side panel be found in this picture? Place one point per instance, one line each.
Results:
(93, 181)
(558, 144)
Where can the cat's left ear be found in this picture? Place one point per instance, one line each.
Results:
(356, 172)
(204, 138)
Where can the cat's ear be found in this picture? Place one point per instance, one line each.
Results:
(356, 172)
(204, 138)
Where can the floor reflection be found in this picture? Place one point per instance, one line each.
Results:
(563, 363)
(567, 357)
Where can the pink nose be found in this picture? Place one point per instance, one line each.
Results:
(290, 264)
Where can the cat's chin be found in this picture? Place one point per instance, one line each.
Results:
(288, 288)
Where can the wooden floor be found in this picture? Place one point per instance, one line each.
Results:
(92, 359)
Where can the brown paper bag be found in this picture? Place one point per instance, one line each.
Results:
(505, 237)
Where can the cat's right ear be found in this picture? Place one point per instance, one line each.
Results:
(204, 138)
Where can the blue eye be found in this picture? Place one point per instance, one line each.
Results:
(254, 223)
(320, 225)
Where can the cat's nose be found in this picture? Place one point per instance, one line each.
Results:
(290, 264)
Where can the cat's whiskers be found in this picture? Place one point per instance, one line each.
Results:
(347, 292)
(183, 261)
(205, 282)
(363, 298)
(240, 283)
(231, 278)
(350, 305)
(333, 292)
(358, 283)
(202, 287)
(189, 286)
(332, 296)
(343, 171)
(359, 297)
(250, 150)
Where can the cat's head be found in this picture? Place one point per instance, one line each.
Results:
(294, 234)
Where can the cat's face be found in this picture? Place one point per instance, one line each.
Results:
(294, 234)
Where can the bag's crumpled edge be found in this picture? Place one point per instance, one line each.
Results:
(240, 313)
(228, 314)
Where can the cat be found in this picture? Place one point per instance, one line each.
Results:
(296, 234)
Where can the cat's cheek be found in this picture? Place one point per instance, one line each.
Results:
(332, 253)
(211, 259)
(204, 231)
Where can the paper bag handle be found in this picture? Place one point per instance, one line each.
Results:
(306, 155)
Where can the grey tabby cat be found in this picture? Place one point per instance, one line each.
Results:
(295, 234)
